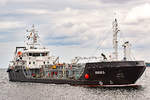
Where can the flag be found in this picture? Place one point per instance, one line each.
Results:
(30, 34)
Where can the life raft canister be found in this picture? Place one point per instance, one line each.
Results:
(55, 73)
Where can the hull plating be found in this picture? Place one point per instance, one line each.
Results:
(101, 73)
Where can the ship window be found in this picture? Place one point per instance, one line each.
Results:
(33, 62)
(44, 62)
(37, 54)
(30, 54)
(29, 62)
(43, 54)
(40, 54)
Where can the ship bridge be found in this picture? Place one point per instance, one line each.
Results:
(37, 52)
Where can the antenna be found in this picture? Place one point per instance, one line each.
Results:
(127, 51)
(115, 40)
(32, 37)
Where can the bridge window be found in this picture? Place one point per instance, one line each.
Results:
(33, 62)
(38, 54)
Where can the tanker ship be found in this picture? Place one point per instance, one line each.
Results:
(33, 63)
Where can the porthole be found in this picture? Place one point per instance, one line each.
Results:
(33, 62)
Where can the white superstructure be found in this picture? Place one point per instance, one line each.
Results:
(33, 55)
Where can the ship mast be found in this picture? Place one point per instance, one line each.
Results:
(32, 37)
(115, 41)
(127, 50)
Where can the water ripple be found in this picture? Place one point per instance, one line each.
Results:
(39, 91)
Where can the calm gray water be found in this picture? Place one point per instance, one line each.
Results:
(38, 91)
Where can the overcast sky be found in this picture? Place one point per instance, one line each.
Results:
(72, 28)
